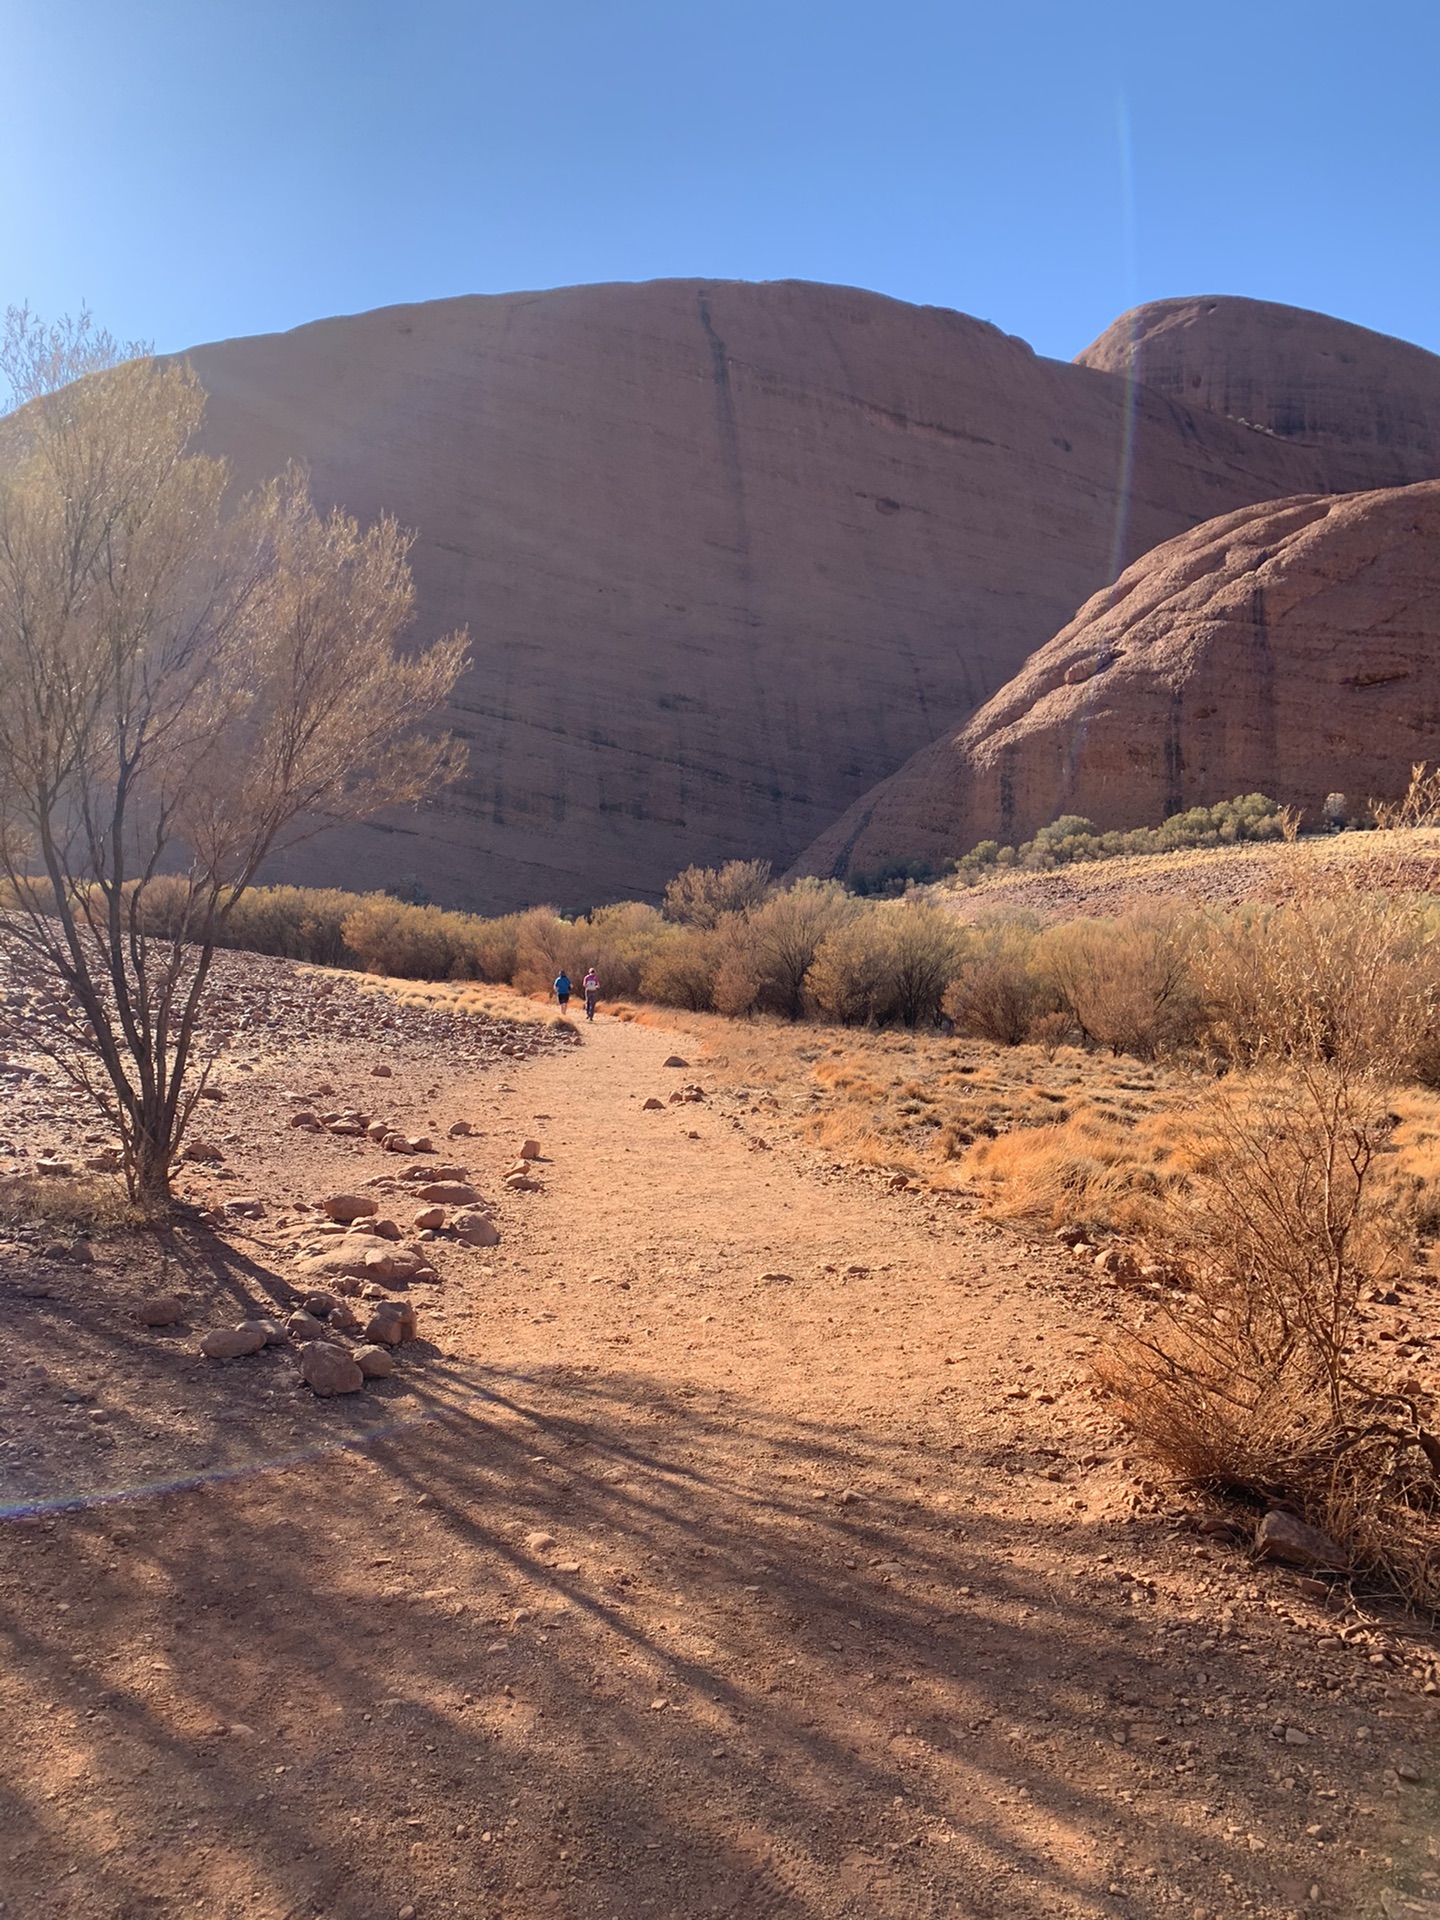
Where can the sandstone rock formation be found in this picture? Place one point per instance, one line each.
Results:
(1372, 402)
(728, 553)
(1291, 648)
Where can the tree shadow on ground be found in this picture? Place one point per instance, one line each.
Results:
(594, 1645)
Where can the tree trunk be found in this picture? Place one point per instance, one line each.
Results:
(148, 1162)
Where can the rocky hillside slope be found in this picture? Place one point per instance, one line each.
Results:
(1292, 648)
(729, 554)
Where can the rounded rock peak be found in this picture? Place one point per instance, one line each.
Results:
(1286, 372)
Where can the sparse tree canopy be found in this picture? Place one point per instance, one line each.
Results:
(184, 688)
(36, 358)
(700, 895)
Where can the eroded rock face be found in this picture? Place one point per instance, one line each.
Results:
(1291, 649)
(1371, 401)
(728, 553)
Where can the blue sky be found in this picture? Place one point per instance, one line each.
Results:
(205, 169)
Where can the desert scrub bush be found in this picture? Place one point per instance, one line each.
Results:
(617, 941)
(892, 964)
(894, 877)
(1245, 1377)
(1351, 977)
(765, 953)
(1127, 984)
(408, 943)
(680, 971)
(702, 896)
(997, 994)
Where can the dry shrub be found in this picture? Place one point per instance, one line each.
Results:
(1347, 976)
(997, 994)
(1126, 983)
(764, 955)
(1245, 1377)
(702, 896)
(408, 943)
(893, 963)
(680, 971)
(617, 941)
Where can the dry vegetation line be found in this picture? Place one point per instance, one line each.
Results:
(765, 1553)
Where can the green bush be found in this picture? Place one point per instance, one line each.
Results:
(1073, 838)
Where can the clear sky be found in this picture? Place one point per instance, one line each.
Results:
(200, 168)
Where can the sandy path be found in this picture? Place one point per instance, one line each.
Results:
(696, 1592)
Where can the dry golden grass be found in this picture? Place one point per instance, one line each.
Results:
(1199, 876)
(85, 1205)
(467, 996)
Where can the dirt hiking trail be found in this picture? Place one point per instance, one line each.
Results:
(741, 1538)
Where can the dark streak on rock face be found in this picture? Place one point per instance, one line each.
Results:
(663, 512)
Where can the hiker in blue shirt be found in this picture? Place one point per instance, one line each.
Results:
(562, 989)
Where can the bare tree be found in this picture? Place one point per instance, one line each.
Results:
(700, 896)
(185, 687)
(37, 357)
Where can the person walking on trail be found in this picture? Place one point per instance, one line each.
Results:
(591, 984)
(562, 989)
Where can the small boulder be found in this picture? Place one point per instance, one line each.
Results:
(459, 1129)
(392, 1322)
(475, 1230)
(392, 1264)
(201, 1152)
(376, 1363)
(676, 1061)
(304, 1326)
(159, 1310)
(231, 1343)
(382, 1072)
(530, 1150)
(431, 1218)
(449, 1193)
(346, 1207)
(653, 1106)
(521, 1183)
(319, 1304)
(327, 1369)
(1294, 1543)
(307, 1122)
(388, 1229)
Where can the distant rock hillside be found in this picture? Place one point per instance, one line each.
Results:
(1371, 401)
(1291, 648)
(729, 554)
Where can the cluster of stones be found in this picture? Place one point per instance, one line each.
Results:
(318, 1331)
